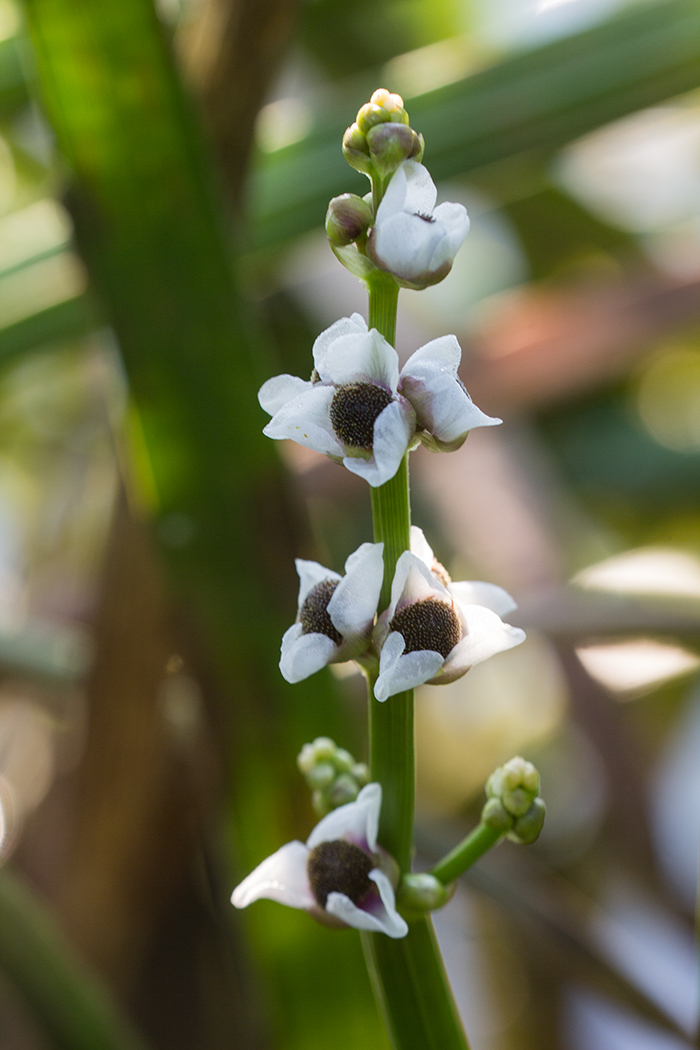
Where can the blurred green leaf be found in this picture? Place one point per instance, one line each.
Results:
(66, 998)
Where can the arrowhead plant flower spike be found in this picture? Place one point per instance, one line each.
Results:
(396, 611)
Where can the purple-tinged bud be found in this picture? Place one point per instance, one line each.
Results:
(348, 217)
(356, 150)
(390, 144)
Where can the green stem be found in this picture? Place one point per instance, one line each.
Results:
(412, 990)
(482, 839)
(65, 997)
(407, 974)
(391, 743)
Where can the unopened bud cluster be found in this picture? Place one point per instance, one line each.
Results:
(514, 806)
(333, 775)
(380, 138)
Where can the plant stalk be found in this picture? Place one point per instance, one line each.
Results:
(466, 853)
(408, 976)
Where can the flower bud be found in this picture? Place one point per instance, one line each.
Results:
(324, 749)
(360, 771)
(356, 150)
(321, 806)
(320, 775)
(347, 218)
(527, 828)
(512, 791)
(382, 108)
(343, 790)
(343, 761)
(390, 144)
(422, 892)
(496, 816)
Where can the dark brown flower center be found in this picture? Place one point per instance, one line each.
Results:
(313, 615)
(338, 867)
(428, 624)
(354, 411)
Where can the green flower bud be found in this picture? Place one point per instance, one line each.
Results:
(347, 218)
(496, 816)
(343, 790)
(356, 150)
(360, 772)
(527, 828)
(320, 776)
(423, 892)
(390, 144)
(517, 801)
(384, 107)
(343, 761)
(324, 749)
(320, 803)
(306, 759)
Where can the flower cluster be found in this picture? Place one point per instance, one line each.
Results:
(433, 631)
(360, 410)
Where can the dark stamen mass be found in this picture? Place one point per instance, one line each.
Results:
(354, 411)
(422, 215)
(313, 615)
(428, 624)
(338, 867)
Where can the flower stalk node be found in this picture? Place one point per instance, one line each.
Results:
(422, 892)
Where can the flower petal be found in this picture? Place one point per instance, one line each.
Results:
(310, 575)
(357, 821)
(354, 325)
(365, 357)
(420, 546)
(415, 189)
(399, 671)
(455, 222)
(354, 603)
(443, 407)
(486, 635)
(279, 390)
(477, 592)
(380, 916)
(305, 419)
(404, 244)
(393, 429)
(281, 877)
(304, 654)
(413, 581)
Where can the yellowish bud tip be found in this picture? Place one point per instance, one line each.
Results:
(387, 100)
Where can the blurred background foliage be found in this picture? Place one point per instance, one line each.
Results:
(164, 174)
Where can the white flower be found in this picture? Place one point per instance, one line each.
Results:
(339, 876)
(335, 613)
(411, 238)
(352, 412)
(358, 409)
(435, 630)
(445, 413)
